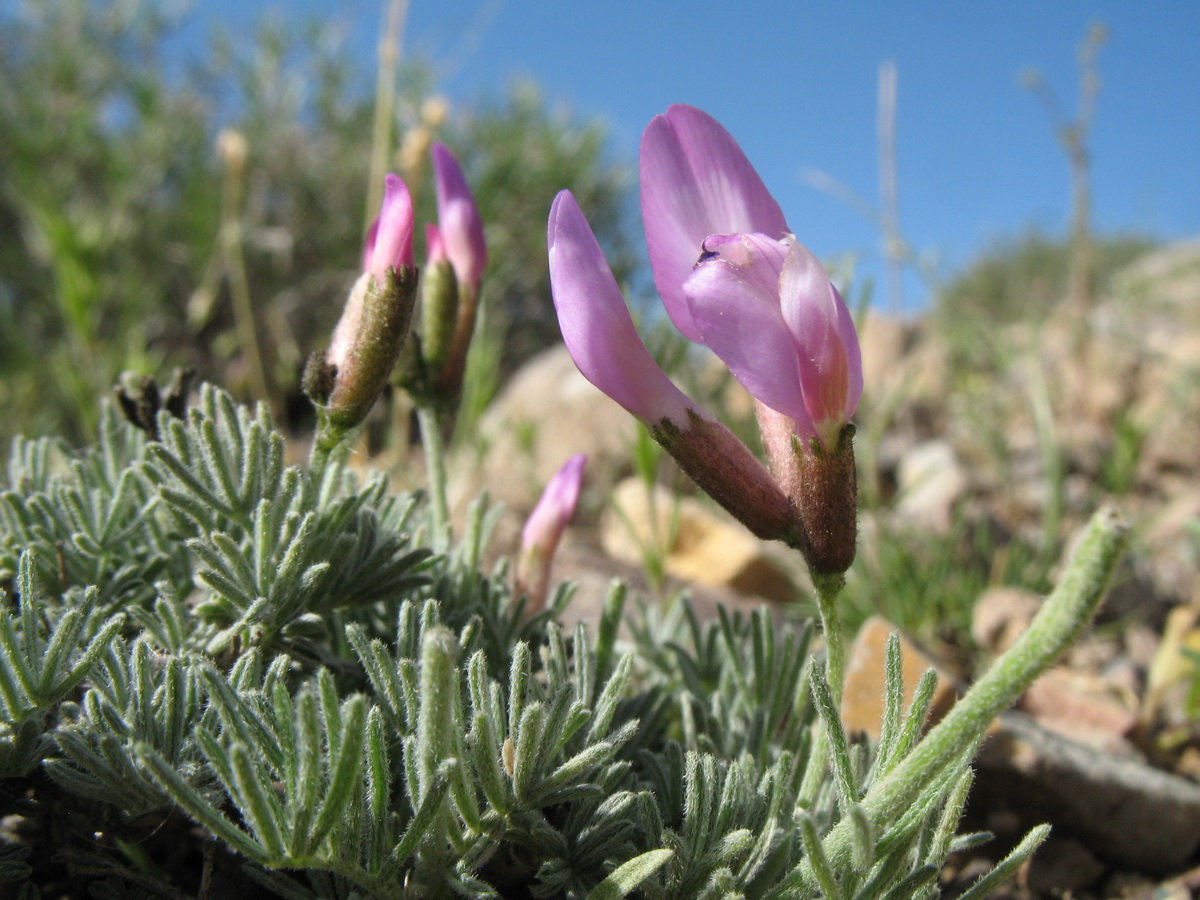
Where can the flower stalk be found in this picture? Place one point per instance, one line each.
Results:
(1067, 611)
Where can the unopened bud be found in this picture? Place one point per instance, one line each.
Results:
(232, 149)
(439, 305)
(461, 234)
(826, 498)
(544, 529)
(367, 341)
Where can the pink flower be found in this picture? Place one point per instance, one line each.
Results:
(435, 247)
(770, 312)
(388, 246)
(596, 324)
(601, 339)
(452, 302)
(544, 529)
(389, 239)
(696, 181)
(367, 339)
(459, 223)
(732, 277)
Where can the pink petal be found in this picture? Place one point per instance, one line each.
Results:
(435, 247)
(543, 530)
(389, 240)
(831, 365)
(696, 181)
(734, 302)
(459, 221)
(596, 324)
(555, 507)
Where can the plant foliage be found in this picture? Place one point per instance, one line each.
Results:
(194, 631)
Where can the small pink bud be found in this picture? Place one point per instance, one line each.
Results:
(435, 247)
(389, 239)
(458, 221)
(460, 240)
(346, 380)
(544, 529)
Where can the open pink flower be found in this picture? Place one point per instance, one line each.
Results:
(696, 181)
(599, 334)
(771, 314)
(733, 278)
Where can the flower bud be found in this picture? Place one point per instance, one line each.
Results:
(826, 498)
(544, 529)
(389, 239)
(346, 380)
(460, 230)
(439, 304)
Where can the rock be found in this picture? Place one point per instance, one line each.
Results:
(863, 692)
(1001, 615)
(697, 545)
(546, 413)
(1124, 811)
(1062, 865)
(1079, 705)
(594, 574)
(930, 482)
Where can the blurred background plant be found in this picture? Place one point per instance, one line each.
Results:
(210, 214)
(213, 216)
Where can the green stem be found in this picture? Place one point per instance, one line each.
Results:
(244, 322)
(1063, 616)
(829, 588)
(385, 104)
(435, 467)
(327, 439)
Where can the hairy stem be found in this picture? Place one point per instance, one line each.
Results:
(1064, 615)
(435, 467)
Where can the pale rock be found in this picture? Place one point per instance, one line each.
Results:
(864, 686)
(1001, 615)
(1123, 810)
(546, 413)
(1083, 707)
(930, 483)
(696, 544)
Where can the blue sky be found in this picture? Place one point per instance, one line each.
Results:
(795, 82)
